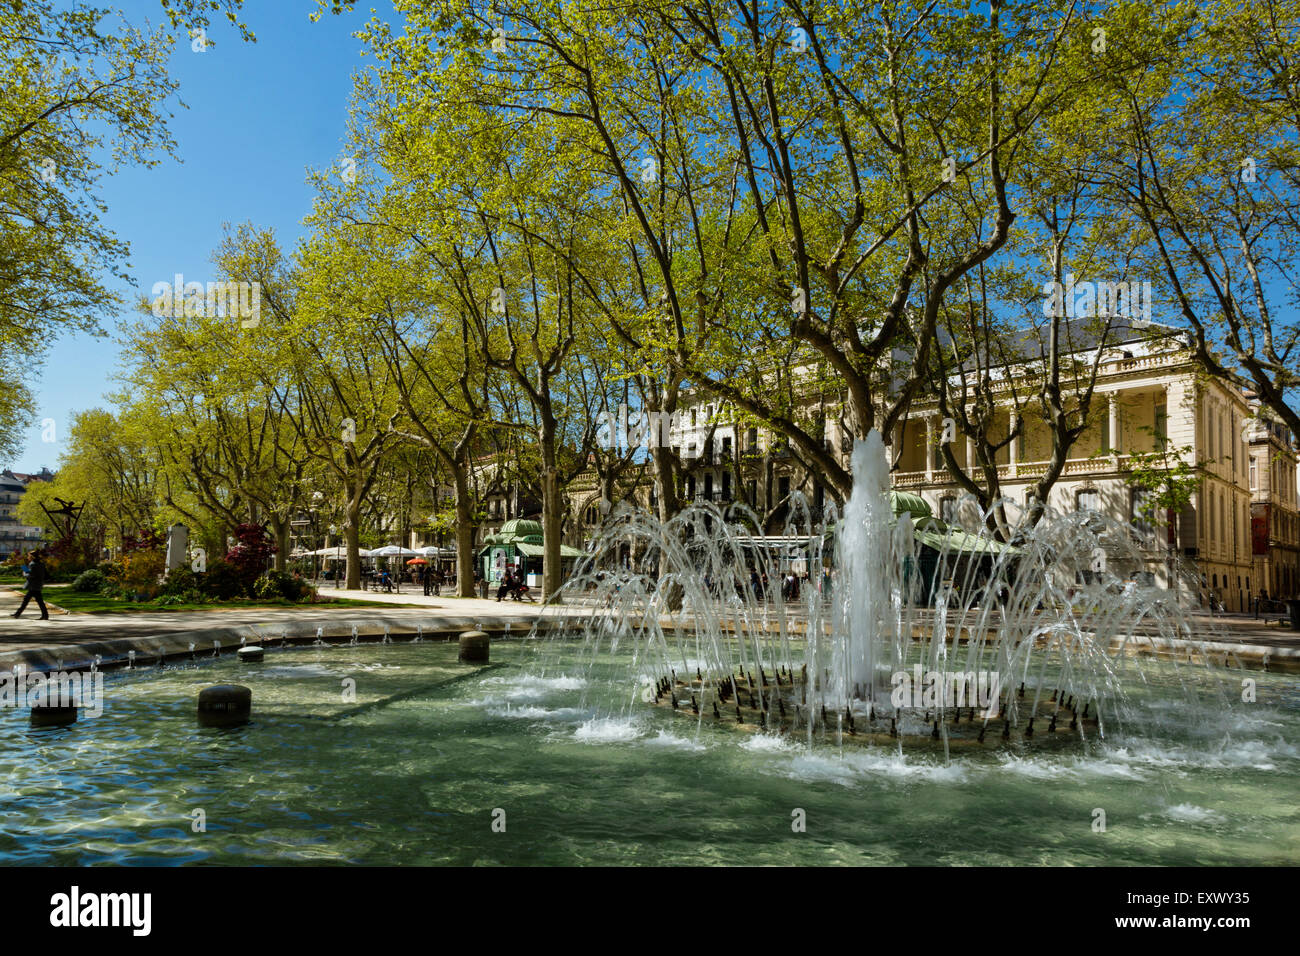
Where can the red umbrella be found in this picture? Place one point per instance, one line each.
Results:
(417, 561)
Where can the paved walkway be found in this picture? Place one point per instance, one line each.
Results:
(76, 639)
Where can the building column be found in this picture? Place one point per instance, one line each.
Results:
(1013, 450)
(929, 450)
(1113, 422)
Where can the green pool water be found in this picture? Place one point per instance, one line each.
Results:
(412, 770)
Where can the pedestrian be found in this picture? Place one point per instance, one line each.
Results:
(437, 582)
(35, 584)
(426, 580)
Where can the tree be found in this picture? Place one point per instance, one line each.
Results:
(76, 102)
(1208, 160)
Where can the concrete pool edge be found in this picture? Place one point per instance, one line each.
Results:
(150, 649)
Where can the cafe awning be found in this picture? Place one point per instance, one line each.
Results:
(539, 551)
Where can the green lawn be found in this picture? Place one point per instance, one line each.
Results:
(70, 600)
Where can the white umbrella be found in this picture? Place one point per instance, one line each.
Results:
(392, 551)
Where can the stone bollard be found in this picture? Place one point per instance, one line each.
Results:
(225, 705)
(474, 646)
(52, 715)
(252, 654)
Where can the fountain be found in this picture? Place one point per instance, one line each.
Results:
(917, 632)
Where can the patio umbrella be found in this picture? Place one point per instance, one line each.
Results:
(416, 561)
(392, 551)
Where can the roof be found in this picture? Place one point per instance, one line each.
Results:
(521, 527)
(1076, 335)
(953, 540)
(914, 505)
(539, 551)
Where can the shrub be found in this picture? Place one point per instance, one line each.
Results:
(222, 581)
(251, 554)
(180, 580)
(146, 540)
(281, 584)
(90, 582)
(141, 571)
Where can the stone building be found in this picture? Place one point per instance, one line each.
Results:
(14, 535)
(1275, 517)
(1152, 408)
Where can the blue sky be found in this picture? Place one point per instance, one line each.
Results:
(259, 115)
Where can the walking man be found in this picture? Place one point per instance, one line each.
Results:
(35, 583)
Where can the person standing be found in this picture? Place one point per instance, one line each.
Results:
(35, 585)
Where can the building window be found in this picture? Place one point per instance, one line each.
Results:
(726, 486)
(1254, 473)
(1087, 500)
(948, 509)
(1162, 425)
(1143, 516)
(752, 493)
(1223, 522)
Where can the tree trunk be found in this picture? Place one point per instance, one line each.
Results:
(552, 506)
(280, 530)
(352, 535)
(464, 536)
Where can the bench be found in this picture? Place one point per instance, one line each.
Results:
(1273, 610)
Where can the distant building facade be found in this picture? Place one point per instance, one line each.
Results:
(1239, 532)
(1274, 515)
(16, 537)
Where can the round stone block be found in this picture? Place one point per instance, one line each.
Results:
(52, 715)
(474, 646)
(225, 705)
(251, 654)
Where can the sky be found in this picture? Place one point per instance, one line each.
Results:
(259, 115)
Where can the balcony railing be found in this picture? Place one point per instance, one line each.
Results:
(1024, 469)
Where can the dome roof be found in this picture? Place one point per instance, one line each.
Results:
(520, 528)
(915, 505)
